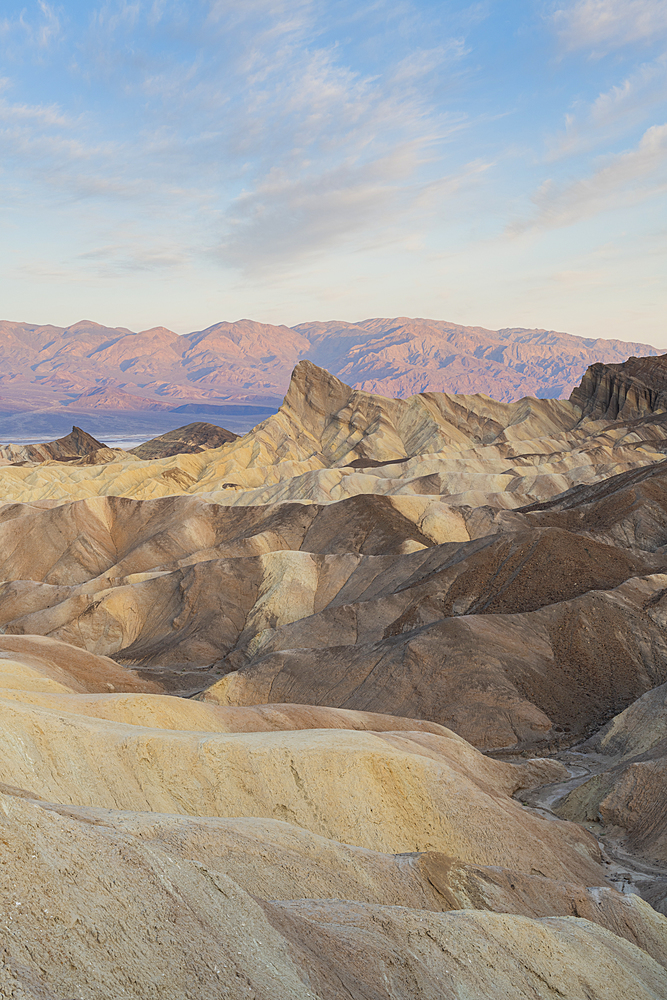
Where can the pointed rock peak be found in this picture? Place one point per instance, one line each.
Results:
(314, 396)
(79, 442)
(313, 383)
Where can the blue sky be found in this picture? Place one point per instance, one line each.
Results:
(178, 163)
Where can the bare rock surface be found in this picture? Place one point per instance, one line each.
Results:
(362, 595)
(187, 440)
(499, 680)
(152, 912)
(37, 663)
(630, 389)
(626, 796)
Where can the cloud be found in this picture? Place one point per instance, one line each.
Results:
(43, 115)
(627, 178)
(258, 130)
(38, 28)
(641, 89)
(285, 219)
(129, 257)
(614, 111)
(605, 25)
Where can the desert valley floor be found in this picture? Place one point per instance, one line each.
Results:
(369, 703)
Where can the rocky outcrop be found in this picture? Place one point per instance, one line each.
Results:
(625, 391)
(77, 445)
(627, 794)
(187, 440)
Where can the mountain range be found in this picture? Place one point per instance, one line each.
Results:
(230, 371)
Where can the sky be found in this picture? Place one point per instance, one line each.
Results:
(175, 163)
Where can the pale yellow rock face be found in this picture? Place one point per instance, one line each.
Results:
(101, 905)
(289, 830)
(470, 449)
(391, 793)
(291, 899)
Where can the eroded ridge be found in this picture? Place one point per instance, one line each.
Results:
(261, 738)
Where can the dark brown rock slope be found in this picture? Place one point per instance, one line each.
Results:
(187, 440)
(626, 797)
(634, 388)
(79, 444)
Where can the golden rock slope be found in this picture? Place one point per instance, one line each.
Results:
(172, 855)
(329, 442)
(320, 822)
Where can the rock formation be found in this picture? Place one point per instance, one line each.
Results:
(631, 389)
(77, 445)
(271, 710)
(186, 440)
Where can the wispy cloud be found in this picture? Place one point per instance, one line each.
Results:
(267, 133)
(130, 257)
(604, 25)
(285, 219)
(38, 26)
(613, 111)
(41, 115)
(626, 178)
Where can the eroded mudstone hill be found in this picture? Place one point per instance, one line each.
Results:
(510, 626)
(268, 709)
(191, 438)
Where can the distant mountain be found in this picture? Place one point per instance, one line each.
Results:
(89, 368)
(400, 357)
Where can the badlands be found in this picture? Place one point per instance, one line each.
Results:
(369, 703)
